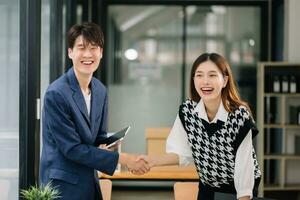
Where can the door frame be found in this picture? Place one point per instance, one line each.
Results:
(29, 92)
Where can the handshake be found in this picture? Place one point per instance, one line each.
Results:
(141, 164)
(137, 164)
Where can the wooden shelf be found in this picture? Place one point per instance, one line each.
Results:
(282, 156)
(292, 186)
(290, 126)
(272, 187)
(282, 95)
(280, 188)
(276, 106)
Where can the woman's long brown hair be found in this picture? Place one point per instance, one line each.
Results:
(230, 96)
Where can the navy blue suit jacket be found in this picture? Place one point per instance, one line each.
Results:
(70, 138)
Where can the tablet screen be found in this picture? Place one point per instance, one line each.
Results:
(118, 136)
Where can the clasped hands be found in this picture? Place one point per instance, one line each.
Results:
(136, 164)
(139, 164)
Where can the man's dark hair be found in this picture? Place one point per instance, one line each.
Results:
(91, 33)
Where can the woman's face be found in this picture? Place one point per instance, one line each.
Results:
(209, 81)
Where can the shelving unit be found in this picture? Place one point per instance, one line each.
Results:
(278, 142)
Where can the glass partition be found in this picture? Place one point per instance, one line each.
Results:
(144, 69)
(232, 31)
(9, 101)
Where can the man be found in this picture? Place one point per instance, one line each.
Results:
(75, 123)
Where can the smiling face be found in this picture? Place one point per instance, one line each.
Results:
(209, 81)
(85, 56)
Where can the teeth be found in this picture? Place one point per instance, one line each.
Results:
(87, 62)
(207, 89)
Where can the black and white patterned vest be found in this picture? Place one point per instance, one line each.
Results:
(214, 146)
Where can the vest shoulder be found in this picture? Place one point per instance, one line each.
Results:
(189, 102)
(243, 112)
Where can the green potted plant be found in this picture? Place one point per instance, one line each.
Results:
(41, 193)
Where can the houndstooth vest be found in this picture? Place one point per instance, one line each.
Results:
(214, 146)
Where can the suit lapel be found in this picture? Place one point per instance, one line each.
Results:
(77, 95)
(80, 102)
(94, 105)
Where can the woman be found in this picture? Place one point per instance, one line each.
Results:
(214, 130)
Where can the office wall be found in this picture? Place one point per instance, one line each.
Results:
(292, 31)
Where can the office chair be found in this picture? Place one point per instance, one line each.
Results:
(186, 190)
(106, 187)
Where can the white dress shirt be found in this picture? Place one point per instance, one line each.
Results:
(177, 142)
(87, 99)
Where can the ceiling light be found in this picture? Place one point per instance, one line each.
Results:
(131, 54)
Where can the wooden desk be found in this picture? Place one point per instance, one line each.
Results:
(158, 173)
(156, 145)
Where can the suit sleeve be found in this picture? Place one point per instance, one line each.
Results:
(102, 133)
(68, 141)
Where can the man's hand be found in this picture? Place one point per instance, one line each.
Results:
(112, 148)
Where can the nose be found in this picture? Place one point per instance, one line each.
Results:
(206, 80)
(87, 53)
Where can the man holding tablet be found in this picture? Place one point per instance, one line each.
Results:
(115, 138)
(74, 123)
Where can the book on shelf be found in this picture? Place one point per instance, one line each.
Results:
(273, 141)
(271, 172)
(271, 110)
(293, 115)
(276, 141)
(292, 172)
(292, 141)
(297, 145)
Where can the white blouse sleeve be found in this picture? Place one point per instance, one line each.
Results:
(177, 142)
(244, 168)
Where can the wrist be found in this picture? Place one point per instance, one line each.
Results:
(154, 161)
(123, 159)
(245, 198)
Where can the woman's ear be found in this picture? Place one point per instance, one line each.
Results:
(225, 81)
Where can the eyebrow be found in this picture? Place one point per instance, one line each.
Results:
(212, 71)
(83, 45)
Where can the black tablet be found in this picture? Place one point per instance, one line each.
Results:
(116, 137)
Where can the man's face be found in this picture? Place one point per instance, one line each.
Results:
(85, 56)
